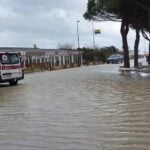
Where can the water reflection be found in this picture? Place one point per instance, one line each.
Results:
(88, 108)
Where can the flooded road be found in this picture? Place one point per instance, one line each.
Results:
(87, 108)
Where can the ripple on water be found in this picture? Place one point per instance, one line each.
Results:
(88, 108)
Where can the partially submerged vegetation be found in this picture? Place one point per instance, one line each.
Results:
(97, 56)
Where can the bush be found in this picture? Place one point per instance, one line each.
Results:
(97, 55)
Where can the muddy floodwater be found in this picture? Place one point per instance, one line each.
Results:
(87, 108)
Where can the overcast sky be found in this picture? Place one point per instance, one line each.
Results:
(48, 23)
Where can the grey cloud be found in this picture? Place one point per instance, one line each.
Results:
(43, 20)
(49, 22)
(37, 12)
(35, 7)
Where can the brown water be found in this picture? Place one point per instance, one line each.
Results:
(88, 108)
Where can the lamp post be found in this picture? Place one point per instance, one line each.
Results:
(78, 34)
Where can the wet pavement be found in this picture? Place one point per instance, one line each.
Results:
(87, 108)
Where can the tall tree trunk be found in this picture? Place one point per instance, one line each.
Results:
(149, 36)
(136, 46)
(124, 32)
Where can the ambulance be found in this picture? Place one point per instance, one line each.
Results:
(12, 65)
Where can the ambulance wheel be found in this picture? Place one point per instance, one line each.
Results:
(13, 82)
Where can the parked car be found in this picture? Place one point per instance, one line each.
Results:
(114, 59)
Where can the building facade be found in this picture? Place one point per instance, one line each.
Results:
(49, 59)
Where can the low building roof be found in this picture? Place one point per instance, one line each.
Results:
(39, 51)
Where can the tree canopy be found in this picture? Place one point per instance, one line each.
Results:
(131, 13)
(116, 10)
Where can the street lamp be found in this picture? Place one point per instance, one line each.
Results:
(78, 34)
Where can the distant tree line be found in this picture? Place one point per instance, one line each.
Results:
(97, 55)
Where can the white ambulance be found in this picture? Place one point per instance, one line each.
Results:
(12, 66)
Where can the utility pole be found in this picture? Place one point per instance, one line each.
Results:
(78, 34)
(93, 35)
